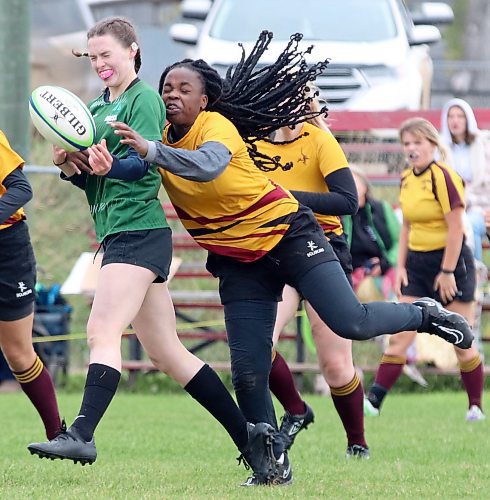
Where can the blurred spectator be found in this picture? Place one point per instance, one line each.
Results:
(470, 151)
(7, 380)
(372, 234)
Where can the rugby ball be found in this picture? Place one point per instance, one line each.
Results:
(62, 118)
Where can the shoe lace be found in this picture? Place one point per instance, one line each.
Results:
(242, 460)
(271, 460)
(62, 429)
(63, 434)
(287, 420)
(270, 455)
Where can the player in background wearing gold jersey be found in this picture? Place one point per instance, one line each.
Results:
(433, 258)
(312, 165)
(17, 290)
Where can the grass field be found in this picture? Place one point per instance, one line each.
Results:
(166, 446)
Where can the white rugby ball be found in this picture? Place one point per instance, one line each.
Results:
(62, 118)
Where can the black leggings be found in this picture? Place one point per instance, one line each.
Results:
(249, 324)
(328, 291)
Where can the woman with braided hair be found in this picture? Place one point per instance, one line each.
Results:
(258, 236)
(131, 287)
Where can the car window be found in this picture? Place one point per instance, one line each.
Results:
(405, 15)
(342, 21)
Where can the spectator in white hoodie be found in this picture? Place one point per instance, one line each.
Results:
(470, 151)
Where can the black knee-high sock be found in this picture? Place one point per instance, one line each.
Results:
(100, 387)
(207, 389)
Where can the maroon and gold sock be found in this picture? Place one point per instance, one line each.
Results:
(348, 401)
(388, 373)
(389, 370)
(281, 384)
(472, 377)
(37, 384)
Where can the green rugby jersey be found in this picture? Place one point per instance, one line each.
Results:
(118, 205)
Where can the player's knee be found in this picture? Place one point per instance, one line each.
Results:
(335, 371)
(20, 358)
(92, 338)
(244, 381)
(350, 330)
(248, 381)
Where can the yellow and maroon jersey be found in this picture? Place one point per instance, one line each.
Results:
(425, 199)
(313, 156)
(240, 214)
(9, 161)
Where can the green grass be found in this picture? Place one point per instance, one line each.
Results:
(166, 446)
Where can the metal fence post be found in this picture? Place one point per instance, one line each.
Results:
(15, 27)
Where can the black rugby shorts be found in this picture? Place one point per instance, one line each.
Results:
(17, 273)
(149, 248)
(423, 267)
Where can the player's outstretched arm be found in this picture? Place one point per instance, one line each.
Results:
(131, 138)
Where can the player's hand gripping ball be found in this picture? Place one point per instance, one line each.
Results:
(62, 118)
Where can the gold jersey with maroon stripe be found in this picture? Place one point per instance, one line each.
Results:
(425, 199)
(311, 157)
(240, 214)
(9, 161)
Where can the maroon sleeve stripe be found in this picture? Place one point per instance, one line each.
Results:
(454, 197)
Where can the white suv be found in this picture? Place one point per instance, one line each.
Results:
(379, 58)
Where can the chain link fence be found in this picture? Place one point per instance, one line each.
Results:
(465, 79)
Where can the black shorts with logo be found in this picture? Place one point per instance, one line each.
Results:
(17, 273)
(423, 267)
(303, 247)
(149, 248)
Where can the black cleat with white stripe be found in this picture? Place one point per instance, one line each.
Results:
(291, 425)
(450, 326)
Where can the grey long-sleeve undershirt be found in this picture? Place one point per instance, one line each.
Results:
(202, 165)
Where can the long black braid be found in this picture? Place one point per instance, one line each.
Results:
(261, 99)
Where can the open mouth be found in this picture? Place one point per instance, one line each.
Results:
(413, 156)
(172, 108)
